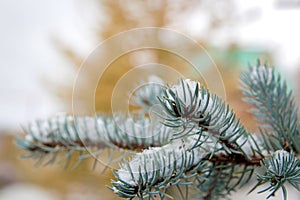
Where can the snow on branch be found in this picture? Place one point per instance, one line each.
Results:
(188, 105)
(153, 171)
(70, 134)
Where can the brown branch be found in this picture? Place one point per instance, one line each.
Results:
(222, 158)
(38, 146)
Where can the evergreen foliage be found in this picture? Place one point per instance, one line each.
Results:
(200, 149)
(274, 107)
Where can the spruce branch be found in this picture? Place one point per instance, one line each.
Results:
(274, 107)
(200, 149)
(158, 171)
(151, 173)
(203, 117)
(188, 106)
(89, 136)
(280, 168)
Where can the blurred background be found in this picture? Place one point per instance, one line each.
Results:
(44, 43)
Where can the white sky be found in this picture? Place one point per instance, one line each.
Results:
(277, 28)
(27, 53)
